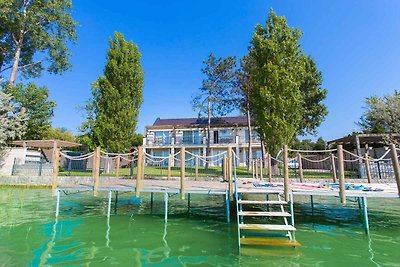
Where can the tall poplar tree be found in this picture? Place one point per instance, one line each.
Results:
(287, 96)
(117, 96)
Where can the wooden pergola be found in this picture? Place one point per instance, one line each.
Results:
(45, 143)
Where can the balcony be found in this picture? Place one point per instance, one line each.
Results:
(226, 140)
(188, 141)
(159, 141)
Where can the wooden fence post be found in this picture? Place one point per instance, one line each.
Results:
(96, 169)
(342, 185)
(196, 167)
(300, 168)
(118, 163)
(224, 168)
(56, 162)
(230, 169)
(396, 167)
(286, 185)
(367, 167)
(269, 168)
(261, 168)
(139, 171)
(183, 162)
(334, 177)
(169, 166)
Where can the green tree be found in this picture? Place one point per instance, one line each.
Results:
(320, 144)
(117, 97)
(381, 115)
(39, 109)
(12, 121)
(314, 111)
(276, 75)
(60, 134)
(216, 95)
(32, 29)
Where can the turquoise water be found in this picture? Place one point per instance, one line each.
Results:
(135, 235)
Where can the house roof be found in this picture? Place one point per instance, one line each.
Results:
(226, 121)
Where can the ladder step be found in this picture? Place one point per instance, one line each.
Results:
(264, 213)
(269, 242)
(265, 202)
(267, 227)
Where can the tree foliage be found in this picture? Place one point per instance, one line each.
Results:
(276, 75)
(60, 134)
(32, 29)
(216, 95)
(117, 96)
(314, 111)
(381, 115)
(286, 85)
(12, 122)
(39, 109)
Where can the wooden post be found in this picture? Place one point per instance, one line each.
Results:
(333, 168)
(286, 185)
(367, 167)
(269, 168)
(169, 166)
(342, 185)
(96, 169)
(139, 171)
(230, 169)
(261, 168)
(396, 167)
(225, 168)
(196, 167)
(183, 162)
(118, 163)
(56, 162)
(300, 167)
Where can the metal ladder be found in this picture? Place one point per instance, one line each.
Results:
(265, 234)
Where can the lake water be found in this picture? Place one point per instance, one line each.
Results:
(135, 235)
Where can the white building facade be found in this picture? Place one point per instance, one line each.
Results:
(169, 135)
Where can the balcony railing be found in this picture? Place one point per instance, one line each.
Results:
(188, 141)
(162, 141)
(225, 140)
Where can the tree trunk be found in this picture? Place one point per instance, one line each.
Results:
(17, 55)
(249, 137)
(208, 131)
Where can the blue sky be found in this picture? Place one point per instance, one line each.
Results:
(356, 45)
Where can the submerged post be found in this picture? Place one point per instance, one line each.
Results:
(169, 166)
(334, 177)
(396, 167)
(96, 168)
(300, 168)
(183, 161)
(286, 185)
(365, 213)
(166, 206)
(228, 214)
(56, 162)
(342, 186)
(139, 171)
(58, 202)
(109, 203)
